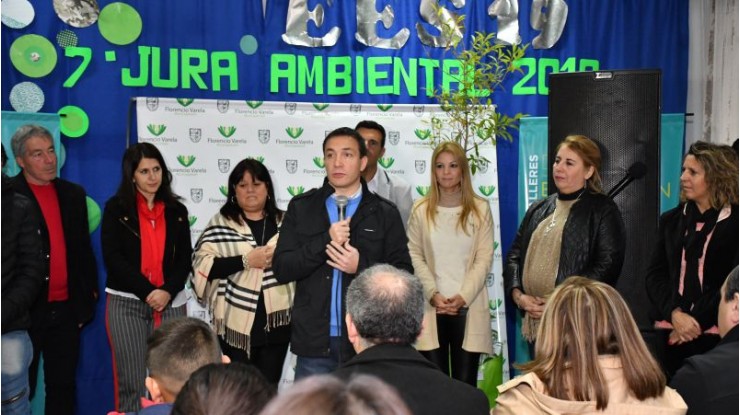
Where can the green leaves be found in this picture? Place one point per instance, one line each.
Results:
(185, 101)
(254, 104)
(295, 190)
(224, 190)
(385, 107)
(319, 162)
(422, 134)
(156, 129)
(192, 220)
(226, 131)
(294, 132)
(422, 190)
(186, 161)
(320, 107)
(386, 162)
(487, 190)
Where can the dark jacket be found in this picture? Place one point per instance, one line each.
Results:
(708, 383)
(376, 231)
(22, 265)
(422, 385)
(664, 272)
(122, 249)
(82, 273)
(593, 240)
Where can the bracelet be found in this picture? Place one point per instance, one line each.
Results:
(245, 261)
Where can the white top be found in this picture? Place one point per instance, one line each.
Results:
(452, 249)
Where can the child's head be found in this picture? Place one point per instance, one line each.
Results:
(218, 389)
(175, 350)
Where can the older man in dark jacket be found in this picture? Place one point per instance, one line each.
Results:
(323, 250)
(22, 276)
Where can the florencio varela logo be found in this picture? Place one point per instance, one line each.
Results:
(320, 106)
(186, 161)
(319, 162)
(156, 129)
(422, 190)
(226, 131)
(295, 190)
(185, 102)
(294, 132)
(258, 158)
(386, 162)
(487, 190)
(254, 104)
(192, 220)
(385, 107)
(224, 190)
(422, 134)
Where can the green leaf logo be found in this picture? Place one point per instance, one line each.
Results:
(487, 190)
(319, 162)
(385, 107)
(495, 245)
(294, 132)
(295, 190)
(226, 131)
(185, 101)
(423, 134)
(320, 107)
(156, 129)
(254, 104)
(493, 305)
(386, 162)
(422, 190)
(258, 158)
(186, 161)
(224, 190)
(192, 220)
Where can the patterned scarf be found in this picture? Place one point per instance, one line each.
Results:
(233, 300)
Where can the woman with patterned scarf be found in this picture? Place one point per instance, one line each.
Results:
(232, 266)
(697, 247)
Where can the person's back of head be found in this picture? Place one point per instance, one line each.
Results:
(585, 319)
(177, 349)
(327, 395)
(728, 313)
(385, 305)
(224, 389)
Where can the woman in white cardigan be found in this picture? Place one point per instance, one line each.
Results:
(451, 245)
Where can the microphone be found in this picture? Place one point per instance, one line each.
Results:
(341, 202)
(635, 172)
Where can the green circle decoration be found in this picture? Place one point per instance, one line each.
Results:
(93, 214)
(33, 55)
(119, 23)
(248, 44)
(26, 97)
(66, 38)
(73, 122)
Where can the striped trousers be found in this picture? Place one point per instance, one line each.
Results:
(129, 323)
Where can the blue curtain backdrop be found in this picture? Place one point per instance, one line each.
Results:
(618, 34)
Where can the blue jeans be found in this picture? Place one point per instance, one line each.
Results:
(307, 366)
(17, 353)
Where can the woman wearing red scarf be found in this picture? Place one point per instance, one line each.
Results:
(146, 247)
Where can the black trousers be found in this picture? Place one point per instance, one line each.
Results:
(55, 334)
(450, 356)
(268, 359)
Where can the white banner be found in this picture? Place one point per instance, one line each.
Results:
(201, 140)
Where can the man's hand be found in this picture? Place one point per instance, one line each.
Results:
(344, 257)
(339, 231)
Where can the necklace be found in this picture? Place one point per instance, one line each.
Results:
(555, 218)
(264, 227)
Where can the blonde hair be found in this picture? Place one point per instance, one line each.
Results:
(583, 319)
(431, 200)
(720, 172)
(589, 152)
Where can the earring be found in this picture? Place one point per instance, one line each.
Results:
(233, 200)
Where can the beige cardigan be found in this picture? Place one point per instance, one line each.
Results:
(526, 395)
(473, 290)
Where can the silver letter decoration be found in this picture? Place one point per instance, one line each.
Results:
(440, 18)
(551, 23)
(507, 17)
(366, 34)
(296, 27)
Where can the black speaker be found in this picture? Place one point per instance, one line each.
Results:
(620, 110)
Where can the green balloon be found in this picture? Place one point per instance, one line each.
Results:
(93, 214)
(119, 23)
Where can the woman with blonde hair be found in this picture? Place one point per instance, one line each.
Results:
(451, 245)
(590, 358)
(697, 247)
(577, 230)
